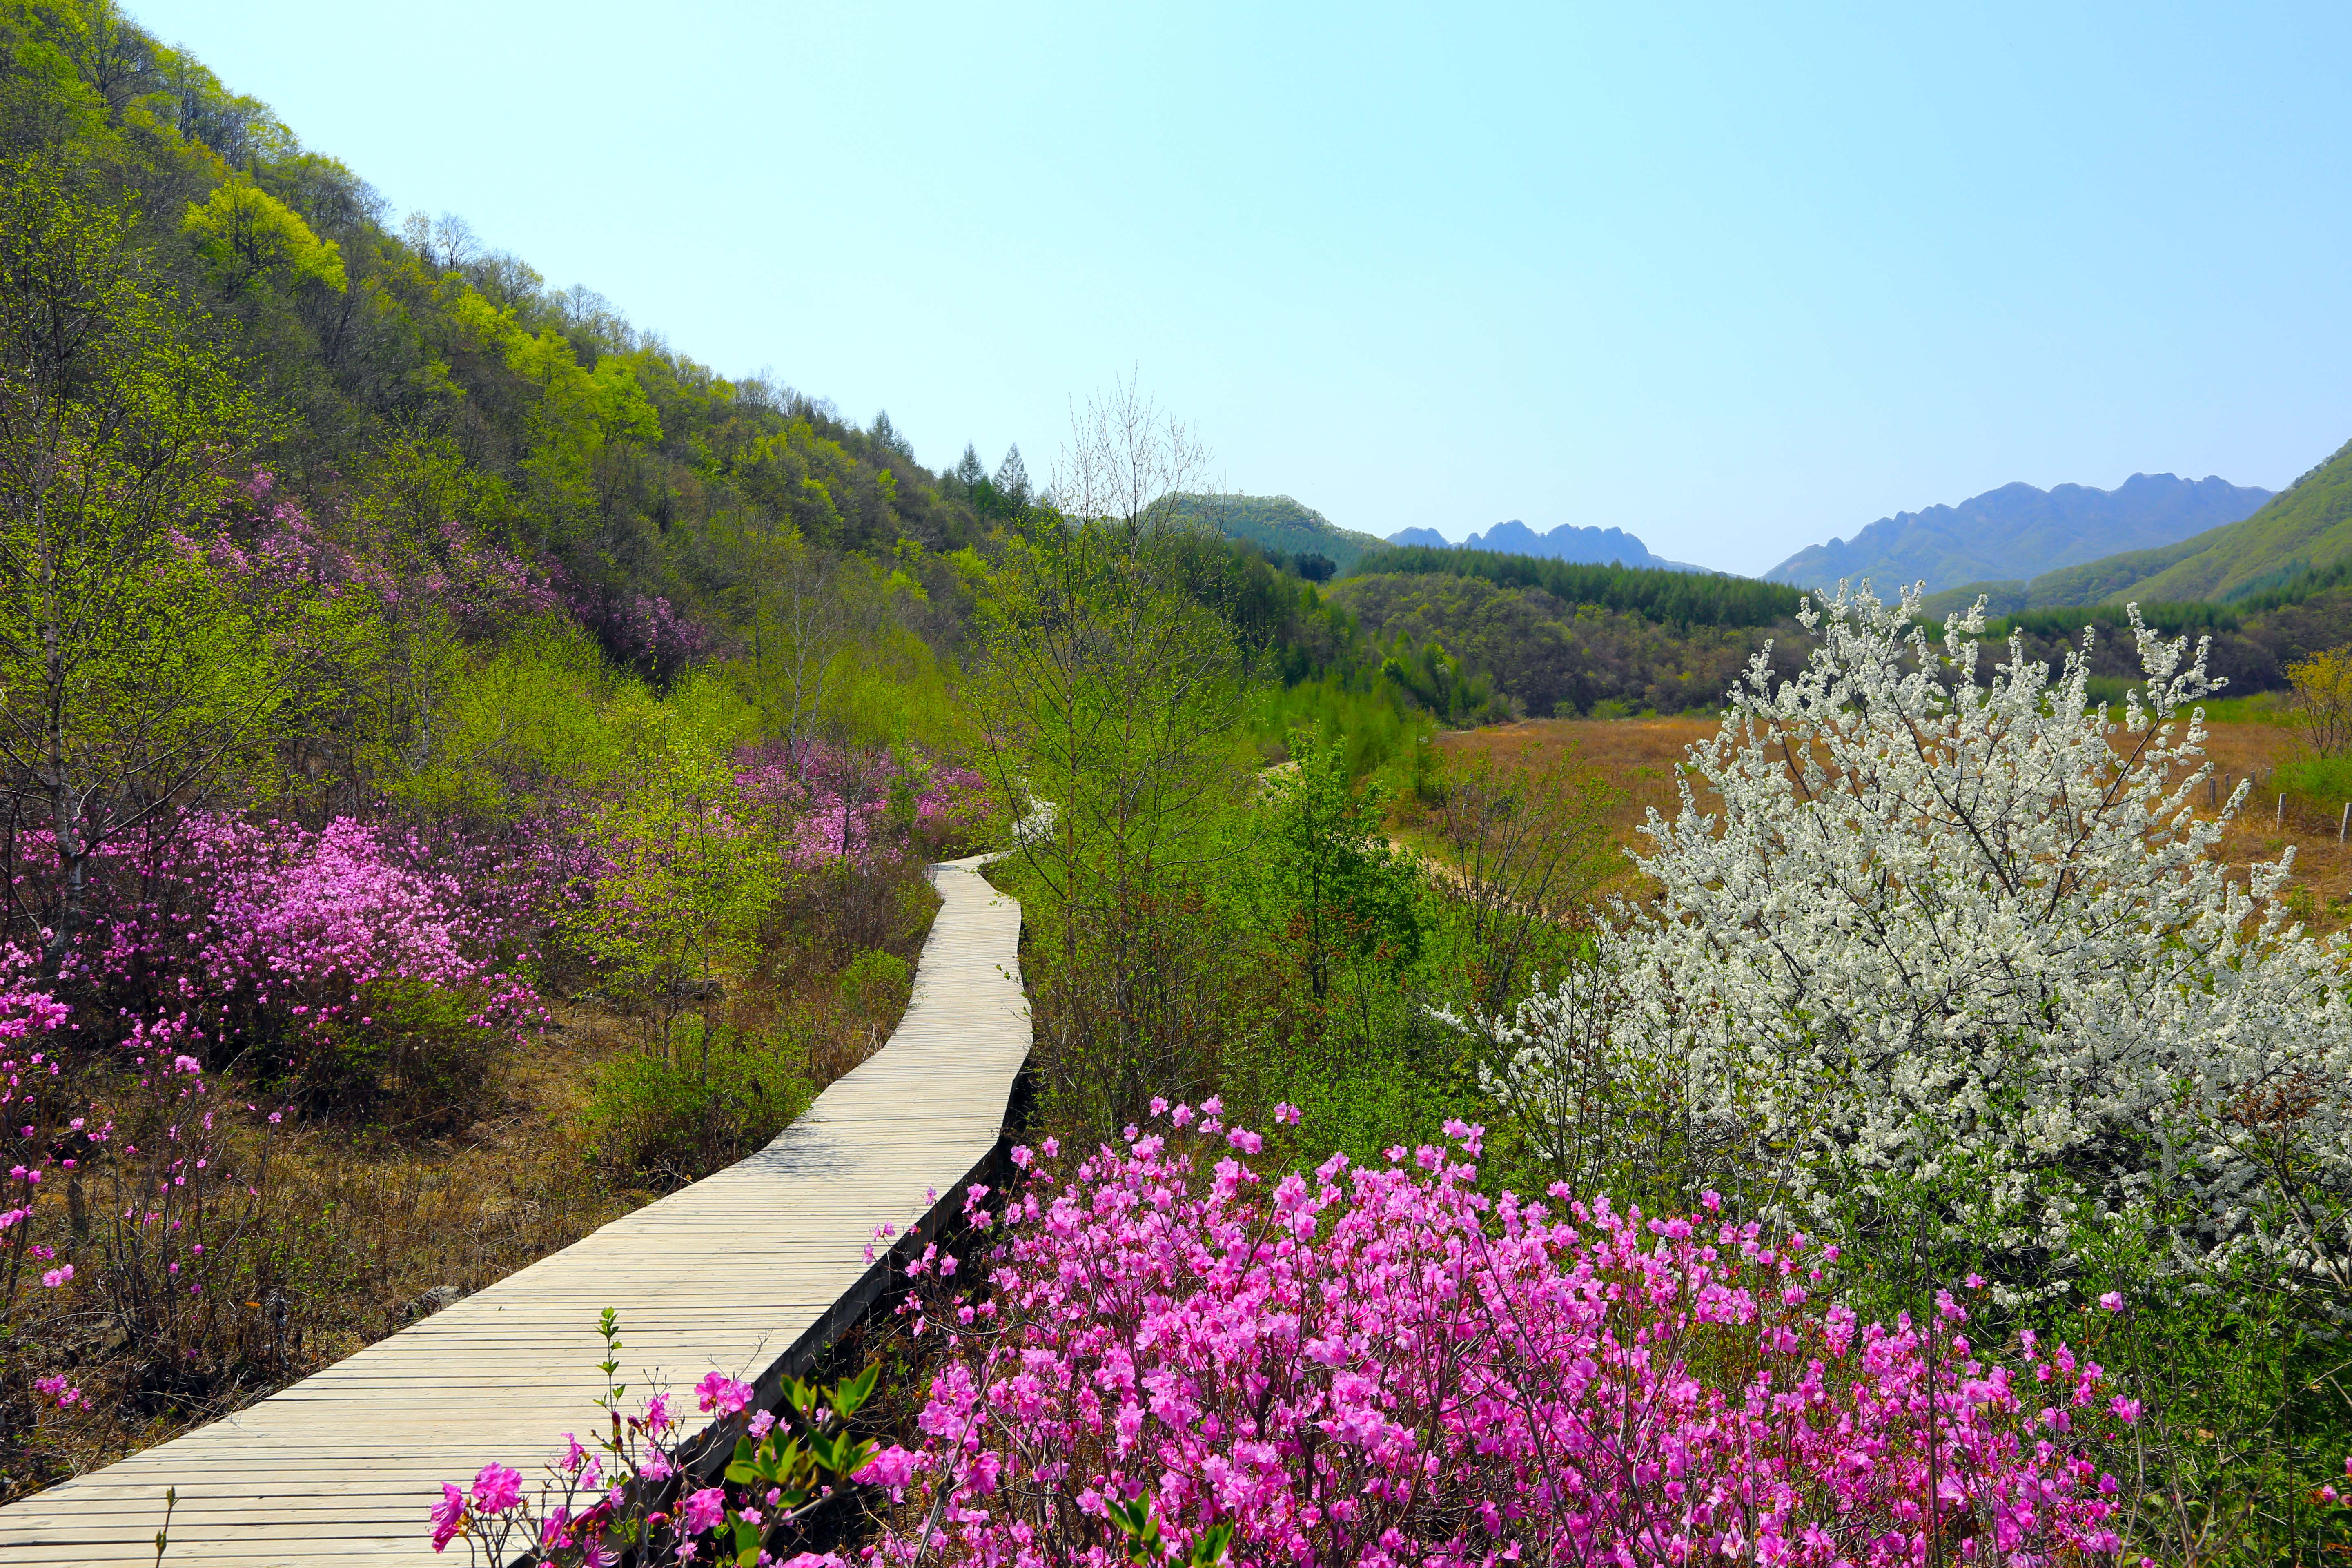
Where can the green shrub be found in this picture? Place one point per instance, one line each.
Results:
(668, 1120)
(876, 982)
(407, 1054)
(2327, 779)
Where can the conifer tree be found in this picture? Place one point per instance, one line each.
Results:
(886, 436)
(1013, 478)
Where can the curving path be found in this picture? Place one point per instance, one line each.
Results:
(754, 1269)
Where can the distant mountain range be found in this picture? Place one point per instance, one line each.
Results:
(1590, 546)
(2306, 527)
(2020, 532)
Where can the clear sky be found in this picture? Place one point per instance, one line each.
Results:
(1734, 278)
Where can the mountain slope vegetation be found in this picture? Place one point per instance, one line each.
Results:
(2305, 529)
(411, 371)
(1277, 524)
(2020, 532)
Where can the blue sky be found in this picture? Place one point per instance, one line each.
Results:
(1734, 278)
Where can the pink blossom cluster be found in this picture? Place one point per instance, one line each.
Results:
(268, 538)
(646, 1481)
(29, 1068)
(642, 630)
(276, 926)
(139, 1126)
(1383, 1366)
(850, 807)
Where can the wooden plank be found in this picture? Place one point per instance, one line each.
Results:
(749, 1271)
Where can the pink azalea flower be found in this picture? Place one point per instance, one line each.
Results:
(893, 1467)
(497, 1488)
(448, 1516)
(704, 1510)
(722, 1394)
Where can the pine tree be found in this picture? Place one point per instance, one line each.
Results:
(1012, 479)
(886, 436)
(968, 468)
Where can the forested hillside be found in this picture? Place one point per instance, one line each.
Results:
(400, 375)
(2018, 531)
(485, 753)
(1279, 525)
(2303, 529)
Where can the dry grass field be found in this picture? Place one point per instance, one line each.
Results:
(1637, 757)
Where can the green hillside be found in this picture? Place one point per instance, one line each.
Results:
(1653, 592)
(1278, 523)
(2304, 528)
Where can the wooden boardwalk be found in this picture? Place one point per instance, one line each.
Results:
(750, 1270)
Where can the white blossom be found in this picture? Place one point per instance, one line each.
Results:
(1921, 928)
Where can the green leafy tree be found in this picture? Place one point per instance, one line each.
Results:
(691, 876)
(1339, 892)
(1111, 702)
(245, 234)
(1111, 696)
(130, 676)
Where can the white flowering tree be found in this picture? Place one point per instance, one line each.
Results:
(1940, 947)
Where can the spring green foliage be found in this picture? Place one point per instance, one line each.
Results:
(665, 1120)
(1103, 686)
(1330, 885)
(387, 350)
(1683, 598)
(247, 235)
(519, 725)
(132, 673)
(1547, 656)
(875, 980)
(1441, 683)
(692, 879)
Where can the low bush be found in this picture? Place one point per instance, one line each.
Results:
(2326, 780)
(665, 1120)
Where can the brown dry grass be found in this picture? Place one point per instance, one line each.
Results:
(1637, 757)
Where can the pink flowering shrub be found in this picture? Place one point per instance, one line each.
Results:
(847, 809)
(1152, 1363)
(267, 539)
(131, 1146)
(1383, 1366)
(640, 631)
(330, 958)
